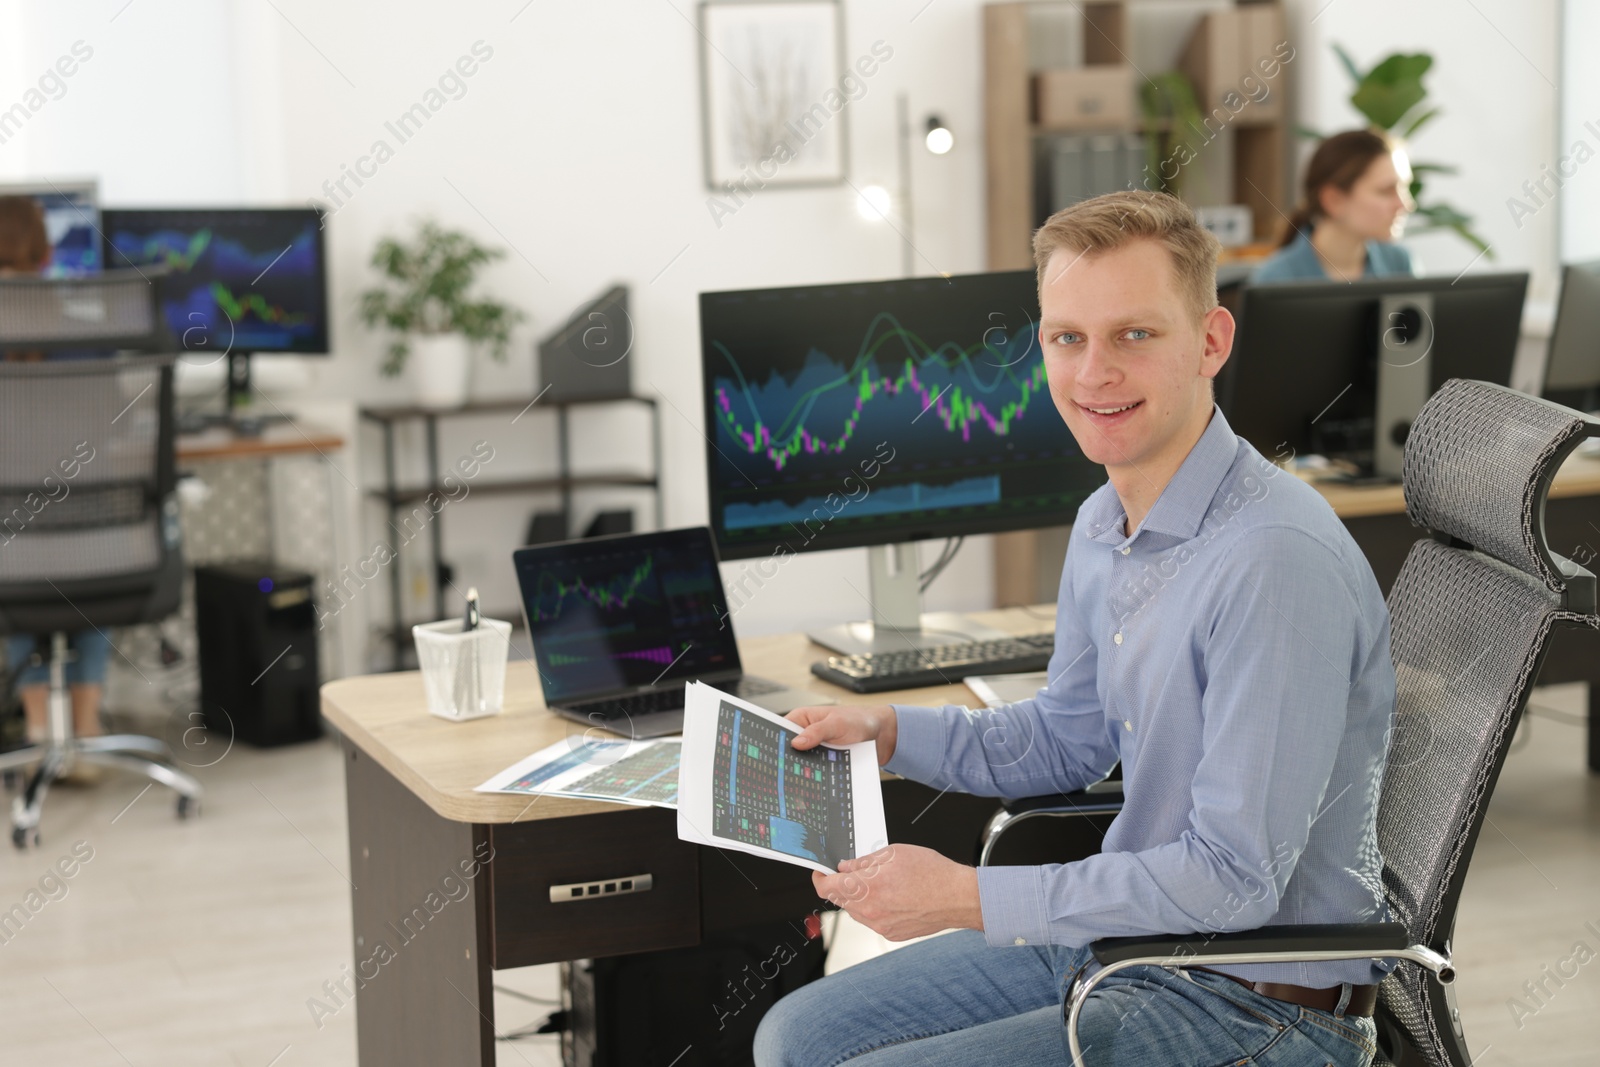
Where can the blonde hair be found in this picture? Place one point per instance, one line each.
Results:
(1105, 223)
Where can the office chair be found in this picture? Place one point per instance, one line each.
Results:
(89, 531)
(1470, 619)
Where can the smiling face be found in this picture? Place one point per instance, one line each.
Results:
(1128, 359)
(1376, 206)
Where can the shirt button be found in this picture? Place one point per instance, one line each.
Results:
(1117, 637)
(1020, 941)
(1126, 550)
(1127, 724)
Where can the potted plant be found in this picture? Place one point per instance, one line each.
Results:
(424, 300)
(1392, 98)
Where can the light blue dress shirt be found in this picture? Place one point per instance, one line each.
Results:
(1234, 654)
(1297, 261)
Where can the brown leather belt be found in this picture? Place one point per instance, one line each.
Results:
(1363, 998)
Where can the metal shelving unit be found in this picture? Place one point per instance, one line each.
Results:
(564, 482)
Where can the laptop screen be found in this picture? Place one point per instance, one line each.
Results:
(614, 613)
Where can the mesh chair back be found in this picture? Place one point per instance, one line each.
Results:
(115, 309)
(88, 517)
(1469, 625)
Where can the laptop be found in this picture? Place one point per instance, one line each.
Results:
(621, 624)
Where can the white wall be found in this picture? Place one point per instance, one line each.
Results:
(1580, 107)
(578, 144)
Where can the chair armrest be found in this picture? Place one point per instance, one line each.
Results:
(1105, 797)
(1268, 944)
(1378, 938)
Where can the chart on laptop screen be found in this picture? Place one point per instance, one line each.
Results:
(608, 617)
(766, 793)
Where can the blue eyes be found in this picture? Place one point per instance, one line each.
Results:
(1135, 334)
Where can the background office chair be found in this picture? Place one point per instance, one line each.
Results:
(1471, 615)
(88, 514)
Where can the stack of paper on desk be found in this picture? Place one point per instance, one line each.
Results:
(628, 772)
(742, 786)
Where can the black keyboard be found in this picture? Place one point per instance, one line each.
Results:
(911, 668)
(662, 700)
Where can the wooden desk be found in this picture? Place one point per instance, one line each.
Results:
(276, 439)
(425, 947)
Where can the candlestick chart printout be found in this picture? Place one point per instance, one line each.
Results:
(742, 786)
(767, 793)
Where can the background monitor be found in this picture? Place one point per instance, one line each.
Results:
(72, 221)
(1572, 372)
(241, 280)
(587, 358)
(877, 412)
(1304, 375)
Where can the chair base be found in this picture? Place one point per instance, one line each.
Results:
(57, 757)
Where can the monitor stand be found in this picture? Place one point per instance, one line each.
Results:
(897, 622)
(236, 400)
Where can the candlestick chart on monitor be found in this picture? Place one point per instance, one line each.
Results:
(603, 617)
(860, 414)
(247, 280)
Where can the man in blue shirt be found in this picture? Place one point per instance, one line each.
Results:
(1221, 634)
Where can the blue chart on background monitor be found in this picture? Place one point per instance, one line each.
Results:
(238, 280)
(71, 224)
(882, 411)
(766, 793)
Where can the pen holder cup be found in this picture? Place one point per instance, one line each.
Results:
(463, 671)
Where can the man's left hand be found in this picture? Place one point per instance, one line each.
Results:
(904, 891)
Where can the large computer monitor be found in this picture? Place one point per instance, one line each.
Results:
(1572, 372)
(72, 222)
(1341, 368)
(241, 280)
(878, 414)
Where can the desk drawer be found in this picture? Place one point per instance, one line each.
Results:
(600, 850)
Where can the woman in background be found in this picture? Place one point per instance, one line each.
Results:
(25, 249)
(1354, 201)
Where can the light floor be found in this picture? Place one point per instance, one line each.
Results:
(202, 942)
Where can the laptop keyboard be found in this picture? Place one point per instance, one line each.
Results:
(632, 707)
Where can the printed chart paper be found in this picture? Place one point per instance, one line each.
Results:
(743, 787)
(629, 772)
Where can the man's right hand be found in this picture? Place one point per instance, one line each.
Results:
(846, 724)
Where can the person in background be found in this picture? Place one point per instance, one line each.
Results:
(1354, 201)
(25, 249)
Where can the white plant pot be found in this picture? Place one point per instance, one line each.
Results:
(440, 367)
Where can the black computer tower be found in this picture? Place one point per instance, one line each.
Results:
(689, 1007)
(257, 629)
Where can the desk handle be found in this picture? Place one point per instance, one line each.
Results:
(610, 887)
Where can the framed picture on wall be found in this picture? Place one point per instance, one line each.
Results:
(772, 109)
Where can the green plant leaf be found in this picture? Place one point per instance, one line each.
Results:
(1391, 89)
(1308, 133)
(425, 292)
(1435, 168)
(1172, 119)
(1416, 124)
(1349, 64)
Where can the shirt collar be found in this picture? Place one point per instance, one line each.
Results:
(1183, 504)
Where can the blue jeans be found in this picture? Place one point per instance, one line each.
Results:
(89, 668)
(954, 1000)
